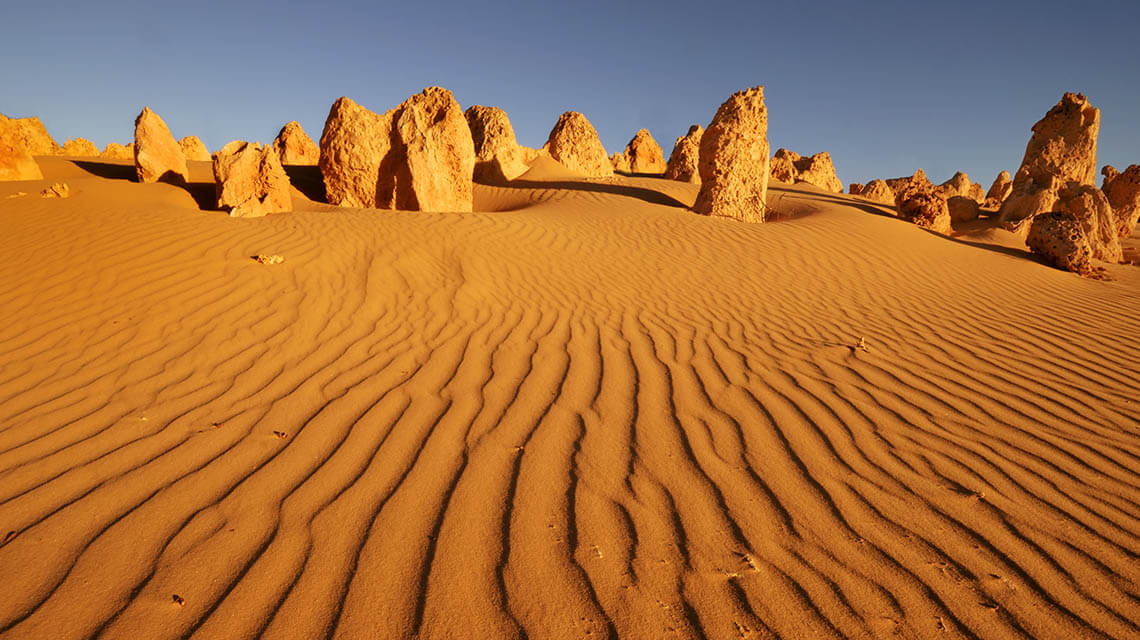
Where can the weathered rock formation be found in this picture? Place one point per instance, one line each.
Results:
(962, 208)
(30, 135)
(57, 190)
(1089, 206)
(498, 156)
(620, 162)
(249, 180)
(574, 143)
(684, 162)
(416, 157)
(294, 146)
(899, 184)
(158, 158)
(1109, 172)
(1123, 193)
(734, 159)
(998, 192)
(79, 147)
(15, 162)
(855, 188)
(1059, 238)
(1061, 150)
(116, 151)
(194, 149)
(643, 154)
(924, 206)
(818, 170)
(878, 191)
(961, 185)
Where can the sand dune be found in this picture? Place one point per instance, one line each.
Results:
(585, 413)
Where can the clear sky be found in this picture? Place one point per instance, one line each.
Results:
(885, 86)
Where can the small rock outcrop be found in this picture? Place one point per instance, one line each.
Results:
(684, 162)
(79, 147)
(57, 190)
(1089, 206)
(923, 206)
(498, 156)
(1061, 150)
(643, 154)
(116, 151)
(30, 135)
(818, 170)
(855, 188)
(416, 157)
(878, 191)
(919, 178)
(961, 185)
(998, 192)
(962, 209)
(1123, 192)
(250, 181)
(193, 149)
(15, 162)
(574, 143)
(158, 158)
(620, 162)
(294, 146)
(734, 159)
(1059, 238)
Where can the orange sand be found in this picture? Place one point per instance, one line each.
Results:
(587, 413)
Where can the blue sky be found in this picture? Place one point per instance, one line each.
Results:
(884, 86)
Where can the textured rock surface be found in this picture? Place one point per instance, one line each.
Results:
(1109, 172)
(416, 157)
(79, 147)
(439, 152)
(818, 170)
(194, 149)
(1062, 149)
(684, 162)
(250, 181)
(1123, 193)
(855, 188)
(899, 184)
(30, 135)
(116, 151)
(782, 166)
(1089, 206)
(620, 162)
(574, 143)
(158, 158)
(1059, 238)
(15, 162)
(293, 146)
(1000, 188)
(645, 155)
(57, 190)
(878, 191)
(734, 159)
(498, 156)
(924, 205)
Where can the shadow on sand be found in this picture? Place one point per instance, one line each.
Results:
(640, 193)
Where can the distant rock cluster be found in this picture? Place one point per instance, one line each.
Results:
(641, 155)
(818, 170)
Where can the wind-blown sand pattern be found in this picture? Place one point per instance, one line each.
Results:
(587, 413)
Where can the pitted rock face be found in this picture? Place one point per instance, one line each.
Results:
(918, 179)
(194, 149)
(999, 190)
(574, 143)
(855, 188)
(30, 135)
(782, 166)
(416, 157)
(294, 146)
(734, 159)
(158, 158)
(498, 156)
(15, 162)
(1123, 193)
(1061, 150)
(818, 170)
(644, 154)
(960, 185)
(684, 162)
(1089, 206)
(1060, 239)
(878, 191)
(79, 147)
(250, 181)
(620, 162)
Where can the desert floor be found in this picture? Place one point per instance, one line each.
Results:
(586, 413)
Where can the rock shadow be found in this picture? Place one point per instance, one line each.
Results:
(203, 193)
(307, 179)
(629, 191)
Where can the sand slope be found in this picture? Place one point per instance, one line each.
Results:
(586, 414)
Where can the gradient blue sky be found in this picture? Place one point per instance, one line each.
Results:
(884, 86)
